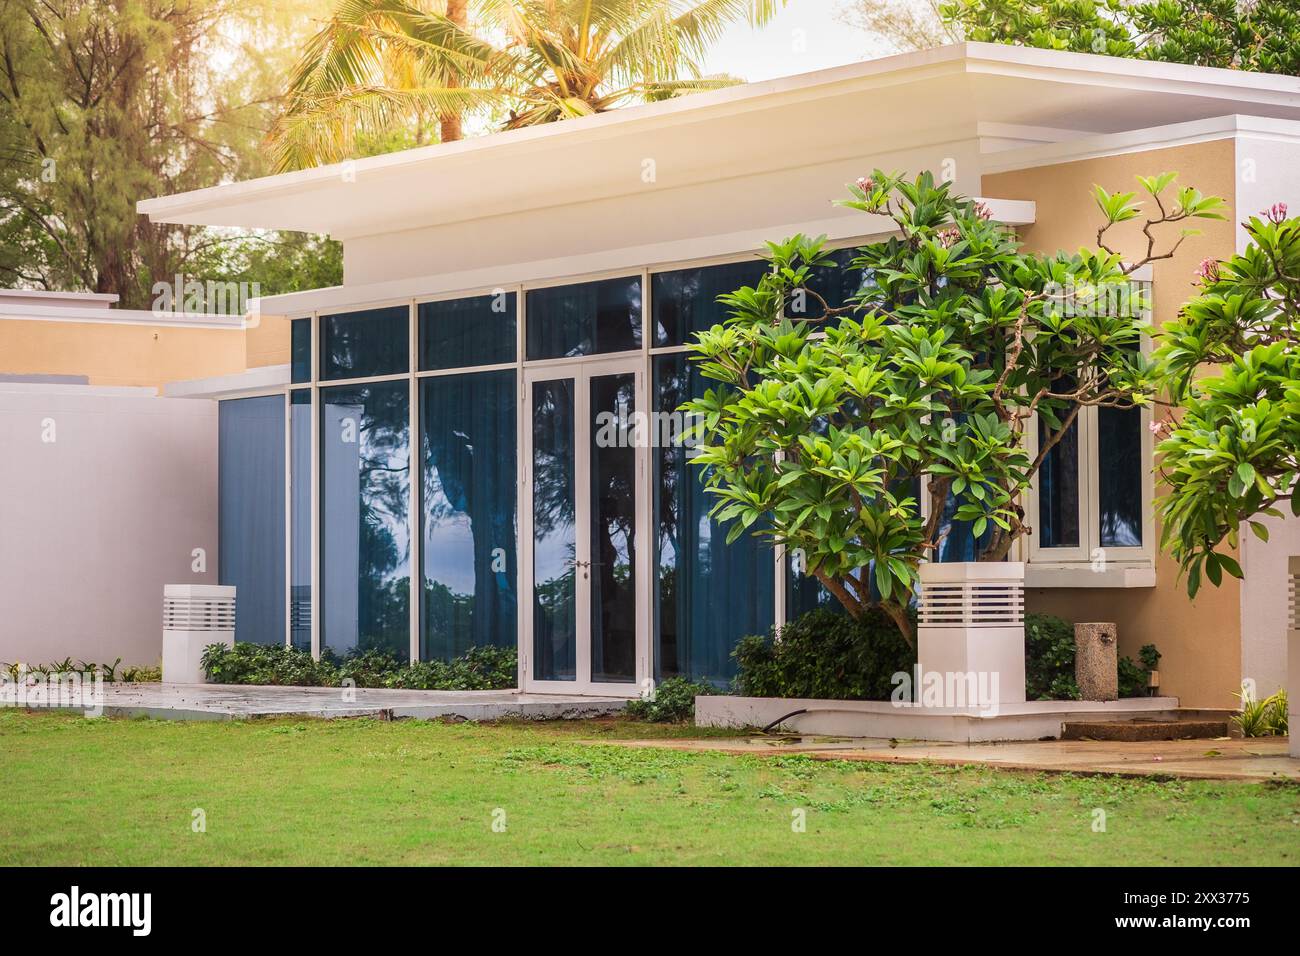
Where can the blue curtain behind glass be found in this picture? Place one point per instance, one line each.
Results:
(588, 318)
(467, 447)
(250, 466)
(686, 300)
(708, 594)
(457, 333)
(300, 603)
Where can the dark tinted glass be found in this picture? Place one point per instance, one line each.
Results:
(555, 608)
(686, 300)
(467, 448)
(708, 594)
(585, 319)
(1119, 490)
(457, 333)
(365, 489)
(1058, 491)
(362, 344)
(300, 349)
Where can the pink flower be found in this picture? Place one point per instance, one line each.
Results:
(1155, 427)
(1208, 270)
(866, 184)
(948, 237)
(983, 211)
(1275, 213)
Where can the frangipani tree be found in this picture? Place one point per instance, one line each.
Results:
(1234, 452)
(827, 420)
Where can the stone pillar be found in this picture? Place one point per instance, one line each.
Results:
(1096, 661)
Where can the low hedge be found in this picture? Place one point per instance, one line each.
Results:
(479, 668)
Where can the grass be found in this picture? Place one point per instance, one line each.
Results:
(316, 792)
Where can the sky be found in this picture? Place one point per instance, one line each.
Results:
(806, 36)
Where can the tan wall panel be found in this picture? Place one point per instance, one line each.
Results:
(267, 341)
(1201, 640)
(119, 354)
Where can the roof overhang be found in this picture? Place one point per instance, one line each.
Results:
(910, 100)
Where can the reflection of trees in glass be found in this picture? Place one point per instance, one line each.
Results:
(356, 344)
(383, 583)
(468, 476)
(553, 462)
(613, 544)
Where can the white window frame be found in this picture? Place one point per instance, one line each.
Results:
(1090, 564)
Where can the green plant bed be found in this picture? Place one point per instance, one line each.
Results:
(824, 655)
(1049, 662)
(479, 668)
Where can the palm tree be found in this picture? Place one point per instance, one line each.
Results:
(382, 65)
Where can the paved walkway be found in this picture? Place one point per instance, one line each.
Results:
(1257, 758)
(231, 701)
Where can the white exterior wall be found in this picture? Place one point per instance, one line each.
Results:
(96, 521)
(1266, 174)
(757, 206)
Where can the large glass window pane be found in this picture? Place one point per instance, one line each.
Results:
(685, 301)
(363, 344)
(1058, 491)
(250, 466)
(300, 519)
(457, 333)
(829, 287)
(613, 528)
(708, 594)
(584, 319)
(554, 534)
(365, 488)
(300, 350)
(1119, 490)
(468, 439)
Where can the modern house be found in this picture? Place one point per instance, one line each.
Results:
(410, 461)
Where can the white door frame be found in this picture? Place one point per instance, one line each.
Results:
(581, 373)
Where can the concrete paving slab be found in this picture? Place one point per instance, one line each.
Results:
(232, 701)
(1254, 758)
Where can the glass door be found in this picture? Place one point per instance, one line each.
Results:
(585, 511)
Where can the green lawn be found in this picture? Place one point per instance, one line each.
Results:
(78, 791)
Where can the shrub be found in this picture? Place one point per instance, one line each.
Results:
(825, 655)
(274, 665)
(673, 701)
(479, 668)
(1262, 718)
(1049, 658)
(1049, 662)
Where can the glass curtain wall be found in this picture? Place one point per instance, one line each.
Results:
(707, 594)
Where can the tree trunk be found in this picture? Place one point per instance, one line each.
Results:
(449, 124)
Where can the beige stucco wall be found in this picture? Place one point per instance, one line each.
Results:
(266, 341)
(119, 353)
(1201, 639)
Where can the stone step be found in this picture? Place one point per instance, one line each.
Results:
(1143, 729)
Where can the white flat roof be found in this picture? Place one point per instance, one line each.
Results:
(913, 99)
